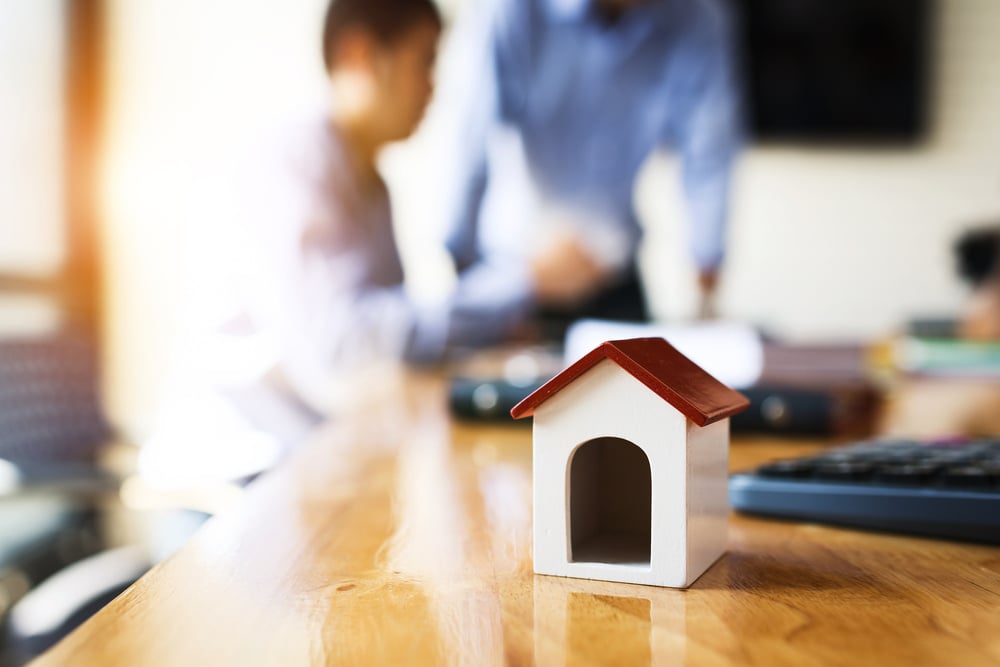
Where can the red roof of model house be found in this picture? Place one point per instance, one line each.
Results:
(661, 367)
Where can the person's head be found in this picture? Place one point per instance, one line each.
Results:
(379, 55)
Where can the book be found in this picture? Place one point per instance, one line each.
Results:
(947, 357)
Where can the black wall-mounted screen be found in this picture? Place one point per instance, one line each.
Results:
(832, 70)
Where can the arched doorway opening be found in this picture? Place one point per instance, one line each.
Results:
(610, 503)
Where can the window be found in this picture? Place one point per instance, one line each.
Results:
(49, 90)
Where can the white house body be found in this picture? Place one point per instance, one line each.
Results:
(626, 487)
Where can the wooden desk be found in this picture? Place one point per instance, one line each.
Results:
(399, 538)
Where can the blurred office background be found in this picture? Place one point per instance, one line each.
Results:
(125, 120)
(840, 237)
(836, 238)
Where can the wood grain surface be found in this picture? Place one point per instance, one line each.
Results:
(397, 537)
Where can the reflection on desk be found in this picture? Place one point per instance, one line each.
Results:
(398, 537)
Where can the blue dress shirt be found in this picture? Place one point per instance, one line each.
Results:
(583, 100)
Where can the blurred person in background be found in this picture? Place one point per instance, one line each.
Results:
(317, 300)
(325, 283)
(964, 400)
(978, 255)
(322, 286)
(559, 103)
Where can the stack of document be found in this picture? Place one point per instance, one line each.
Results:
(732, 352)
(948, 357)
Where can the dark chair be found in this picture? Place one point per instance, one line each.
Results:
(50, 413)
(52, 428)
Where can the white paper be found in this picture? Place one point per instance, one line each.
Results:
(730, 351)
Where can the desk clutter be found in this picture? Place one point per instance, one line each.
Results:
(776, 408)
(794, 390)
(948, 489)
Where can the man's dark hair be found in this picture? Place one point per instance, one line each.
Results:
(387, 20)
(977, 252)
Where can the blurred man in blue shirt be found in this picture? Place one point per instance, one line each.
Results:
(561, 103)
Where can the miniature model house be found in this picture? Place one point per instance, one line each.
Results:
(631, 451)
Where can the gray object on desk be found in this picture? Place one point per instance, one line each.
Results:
(51, 430)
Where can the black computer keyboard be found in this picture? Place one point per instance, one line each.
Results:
(948, 489)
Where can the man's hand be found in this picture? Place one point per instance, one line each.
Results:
(564, 272)
(981, 320)
(708, 282)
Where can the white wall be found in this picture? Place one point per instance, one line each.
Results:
(31, 136)
(825, 243)
(190, 83)
(839, 243)
(32, 208)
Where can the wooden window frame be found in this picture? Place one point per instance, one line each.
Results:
(76, 284)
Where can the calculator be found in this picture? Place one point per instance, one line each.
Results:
(948, 489)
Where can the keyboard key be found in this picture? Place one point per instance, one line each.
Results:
(792, 468)
(968, 477)
(845, 471)
(906, 473)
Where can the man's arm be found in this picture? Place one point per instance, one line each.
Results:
(465, 111)
(710, 133)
